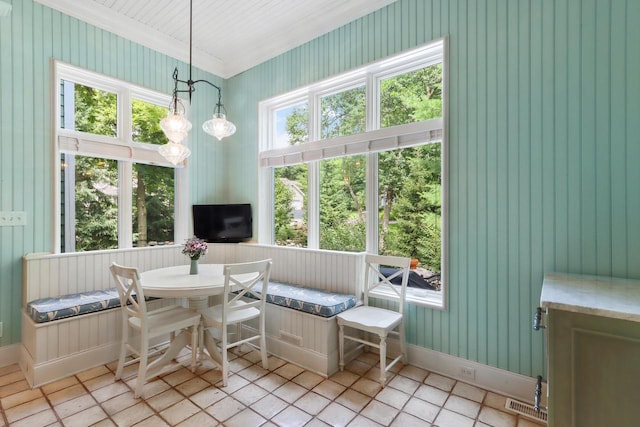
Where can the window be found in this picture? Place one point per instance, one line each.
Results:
(357, 162)
(114, 189)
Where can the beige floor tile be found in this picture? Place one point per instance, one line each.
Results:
(369, 357)
(179, 412)
(26, 409)
(406, 420)
(132, 415)
(208, 396)
(345, 378)
(239, 364)
(357, 367)
(59, 385)
(12, 388)
(107, 422)
(110, 391)
(421, 409)
(249, 394)
(178, 377)
(392, 397)
(20, 398)
(152, 388)
(253, 372)
(312, 403)
(314, 423)
(74, 406)
(42, 418)
(201, 419)
(92, 373)
(337, 415)
(192, 386)
(494, 400)
(119, 403)
(414, 373)
(245, 418)
(153, 421)
(165, 399)
(353, 400)
(9, 369)
(291, 417)
(438, 381)
(367, 386)
(86, 417)
(497, 418)
(469, 392)
(271, 381)
(290, 392)
(225, 408)
(452, 419)
(404, 384)
(431, 394)
(362, 421)
(289, 371)
(380, 412)
(275, 363)
(253, 356)
(11, 377)
(99, 381)
(235, 382)
(269, 406)
(213, 376)
(308, 380)
(329, 389)
(66, 394)
(463, 406)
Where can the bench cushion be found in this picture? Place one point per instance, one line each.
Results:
(49, 309)
(309, 300)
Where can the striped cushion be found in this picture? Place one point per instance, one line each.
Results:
(309, 300)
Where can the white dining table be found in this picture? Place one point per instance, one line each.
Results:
(176, 282)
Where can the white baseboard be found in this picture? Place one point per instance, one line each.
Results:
(9, 354)
(517, 386)
(63, 367)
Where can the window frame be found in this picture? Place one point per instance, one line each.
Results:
(370, 142)
(121, 148)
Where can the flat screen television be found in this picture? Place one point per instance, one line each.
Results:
(227, 223)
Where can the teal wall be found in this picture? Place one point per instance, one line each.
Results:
(544, 151)
(29, 38)
(544, 146)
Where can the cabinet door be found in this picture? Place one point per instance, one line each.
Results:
(594, 370)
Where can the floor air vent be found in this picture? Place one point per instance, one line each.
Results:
(526, 410)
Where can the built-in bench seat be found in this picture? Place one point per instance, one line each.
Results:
(50, 309)
(309, 300)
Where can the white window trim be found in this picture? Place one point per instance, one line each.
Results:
(374, 140)
(121, 148)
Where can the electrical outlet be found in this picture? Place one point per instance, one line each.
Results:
(468, 372)
(9, 219)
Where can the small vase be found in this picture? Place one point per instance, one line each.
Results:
(194, 267)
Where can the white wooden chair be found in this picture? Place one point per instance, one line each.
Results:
(374, 320)
(165, 321)
(235, 309)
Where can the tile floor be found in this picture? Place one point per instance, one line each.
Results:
(283, 395)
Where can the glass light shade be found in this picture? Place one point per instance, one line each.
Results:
(175, 126)
(175, 152)
(219, 126)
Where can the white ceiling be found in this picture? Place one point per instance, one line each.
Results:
(229, 36)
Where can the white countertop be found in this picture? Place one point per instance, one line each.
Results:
(596, 295)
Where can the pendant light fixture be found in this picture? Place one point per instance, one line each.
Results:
(176, 127)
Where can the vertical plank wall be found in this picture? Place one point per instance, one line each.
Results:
(30, 37)
(544, 151)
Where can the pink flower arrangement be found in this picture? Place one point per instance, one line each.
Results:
(194, 248)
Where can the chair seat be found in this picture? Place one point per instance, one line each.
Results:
(167, 319)
(370, 318)
(215, 314)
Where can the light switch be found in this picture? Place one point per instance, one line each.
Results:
(9, 219)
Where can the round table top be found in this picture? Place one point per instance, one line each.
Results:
(176, 282)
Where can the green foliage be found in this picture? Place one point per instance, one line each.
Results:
(409, 181)
(97, 179)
